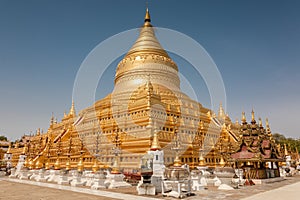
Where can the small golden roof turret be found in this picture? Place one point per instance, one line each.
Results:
(72, 110)
(260, 123)
(285, 150)
(38, 132)
(155, 143)
(25, 148)
(268, 126)
(243, 118)
(52, 119)
(252, 117)
(237, 122)
(9, 148)
(221, 111)
(201, 125)
(149, 86)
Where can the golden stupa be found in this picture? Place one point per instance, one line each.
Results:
(146, 97)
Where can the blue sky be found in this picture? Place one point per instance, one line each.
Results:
(255, 44)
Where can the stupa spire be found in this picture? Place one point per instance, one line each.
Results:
(243, 117)
(147, 40)
(38, 132)
(155, 142)
(149, 86)
(52, 119)
(72, 110)
(221, 110)
(147, 16)
(253, 117)
(268, 126)
(285, 150)
(260, 123)
(145, 50)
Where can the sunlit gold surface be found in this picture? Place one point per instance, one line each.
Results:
(95, 166)
(147, 89)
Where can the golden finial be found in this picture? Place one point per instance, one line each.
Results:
(52, 119)
(268, 126)
(221, 110)
(31, 164)
(149, 86)
(115, 168)
(260, 122)
(209, 114)
(243, 117)
(72, 110)
(80, 165)
(155, 143)
(201, 125)
(224, 126)
(201, 160)
(39, 164)
(9, 148)
(25, 149)
(237, 122)
(214, 115)
(285, 150)
(47, 165)
(57, 164)
(147, 16)
(38, 132)
(222, 162)
(253, 117)
(68, 164)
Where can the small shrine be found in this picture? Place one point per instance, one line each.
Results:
(256, 152)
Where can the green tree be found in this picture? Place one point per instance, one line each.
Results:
(292, 143)
(3, 138)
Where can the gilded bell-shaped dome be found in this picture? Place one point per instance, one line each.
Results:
(146, 58)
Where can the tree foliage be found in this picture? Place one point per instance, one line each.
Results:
(3, 138)
(291, 143)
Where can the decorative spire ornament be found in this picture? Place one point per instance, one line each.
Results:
(268, 130)
(147, 16)
(253, 117)
(155, 143)
(243, 118)
(260, 123)
(72, 110)
(221, 111)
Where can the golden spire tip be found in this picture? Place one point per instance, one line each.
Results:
(147, 16)
(243, 117)
(253, 116)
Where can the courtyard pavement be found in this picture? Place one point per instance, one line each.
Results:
(15, 189)
(288, 192)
